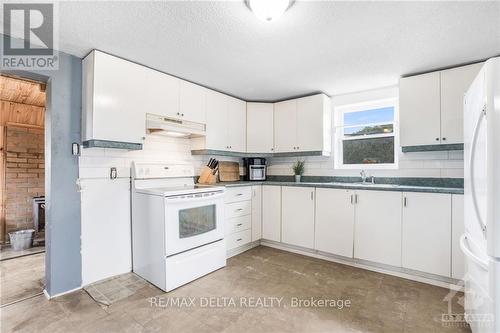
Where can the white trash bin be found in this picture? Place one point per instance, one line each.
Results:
(22, 239)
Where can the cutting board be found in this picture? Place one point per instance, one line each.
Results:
(229, 171)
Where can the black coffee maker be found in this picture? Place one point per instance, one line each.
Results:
(255, 168)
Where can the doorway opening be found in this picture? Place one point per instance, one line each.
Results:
(22, 188)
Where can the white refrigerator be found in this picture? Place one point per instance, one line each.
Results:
(481, 240)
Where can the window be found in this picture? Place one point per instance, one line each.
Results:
(367, 135)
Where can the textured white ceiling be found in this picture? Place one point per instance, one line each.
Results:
(334, 47)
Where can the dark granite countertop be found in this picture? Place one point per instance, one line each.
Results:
(354, 186)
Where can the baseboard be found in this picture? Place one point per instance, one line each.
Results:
(49, 297)
(241, 249)
(431, 279)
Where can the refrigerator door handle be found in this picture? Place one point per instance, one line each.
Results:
(471, 170)
(465, 249)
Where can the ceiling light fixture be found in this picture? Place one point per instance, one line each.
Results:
(269, 10)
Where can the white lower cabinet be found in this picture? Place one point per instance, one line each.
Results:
(427, 232)
(256, 213)
(377, 229)
(297, 216)
(271, 213)
(334, 225)
(238, 215)
(457, 230)
(100, 222)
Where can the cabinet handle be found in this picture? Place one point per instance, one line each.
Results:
(239, 239)
(355, 198)
(182, 114)
(444, 139)
(437, 139)
(312, 195)
(239, 194)
(239, 209)
(298, 147)
(178, 113)
(352, 199)
(404, 202)
(239, 224)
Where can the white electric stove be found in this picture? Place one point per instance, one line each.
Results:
(177, 226)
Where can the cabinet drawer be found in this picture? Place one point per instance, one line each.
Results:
(238, 239)
(241, 193)
(238, 224)
(236, 209)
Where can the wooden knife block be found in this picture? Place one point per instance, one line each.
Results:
(207, 177)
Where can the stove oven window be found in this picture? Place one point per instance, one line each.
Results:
(196, 221)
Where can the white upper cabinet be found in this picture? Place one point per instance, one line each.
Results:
(285, 126)
(226, 123)
(303, 124)
(454, 83)
(431, 106)
(192, 102)
(334, 227)
(314, 123)
(113, 99)
(419, 110)
(162, 94)
(427, 232)
(297, 216)
(260, 128)
(216, 137)
(377, 229)
(236, 124)
(271, 213)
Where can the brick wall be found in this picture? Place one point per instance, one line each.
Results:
(24, 175)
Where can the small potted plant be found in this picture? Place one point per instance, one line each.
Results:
(298, 170)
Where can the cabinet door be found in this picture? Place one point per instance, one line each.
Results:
(236, 124)
(454, 84)
(101, 223)
(334, 226)
(419, 110)
(216, 131)
(285, 126)
(192, 102)
(297, 216)
(260, 128)
(162, 95)
(118, 113)
(377, 228)
(271, 213)
(310, 123)
(256, 213)
(457, 230)
(427, 232)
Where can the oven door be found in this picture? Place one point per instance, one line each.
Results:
(193, 220)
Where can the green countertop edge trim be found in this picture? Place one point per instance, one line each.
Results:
(446, 147)
(401, 188)
(241, 154)
(111, 144)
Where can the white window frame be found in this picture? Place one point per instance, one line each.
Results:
(359, 107)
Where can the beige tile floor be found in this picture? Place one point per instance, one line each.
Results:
(380, 303)
(21, 277)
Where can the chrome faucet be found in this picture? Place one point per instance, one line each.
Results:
(363, 176)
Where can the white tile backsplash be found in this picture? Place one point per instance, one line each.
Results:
(95, 162)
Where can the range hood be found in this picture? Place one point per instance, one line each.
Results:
(166, 126)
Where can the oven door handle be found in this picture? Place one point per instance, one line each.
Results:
(203, 197)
